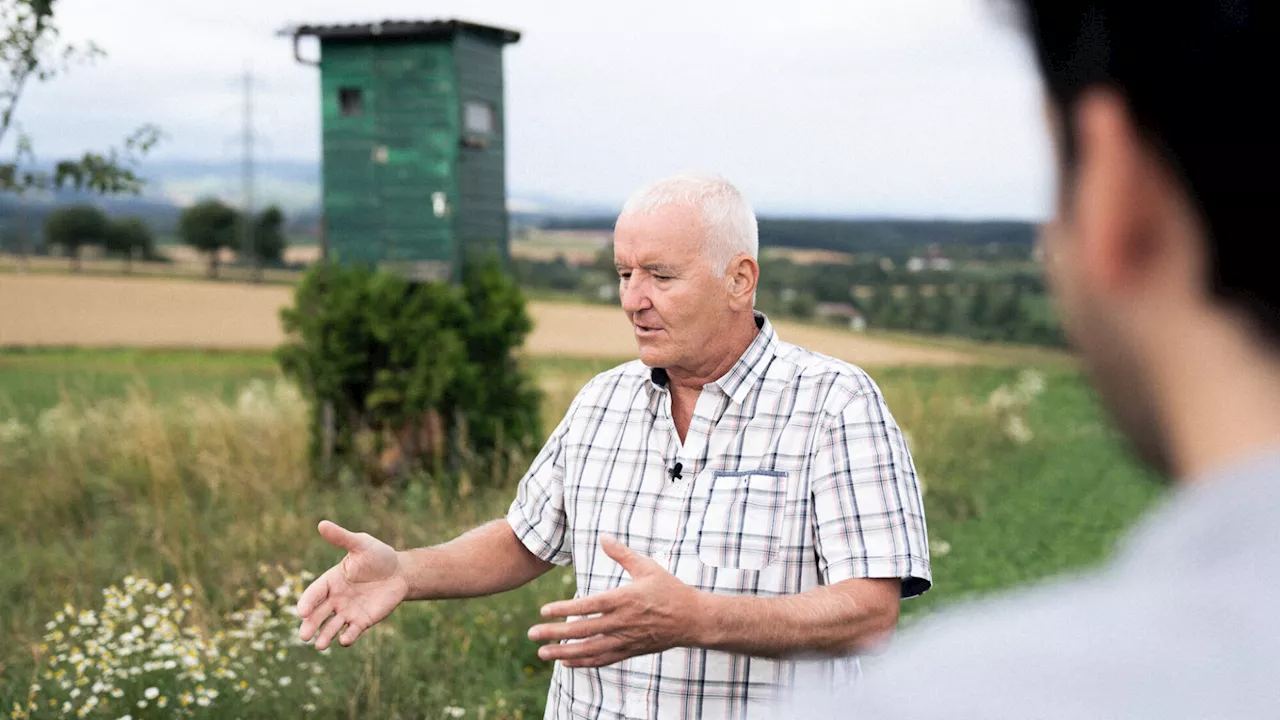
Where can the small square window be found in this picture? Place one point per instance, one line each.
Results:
(351, 101)
(478, 118)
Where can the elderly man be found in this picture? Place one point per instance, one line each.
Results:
(742, 515)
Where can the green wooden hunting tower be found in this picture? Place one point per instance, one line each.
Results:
(413, 126)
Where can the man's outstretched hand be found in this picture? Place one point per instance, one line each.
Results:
(655, 612)
(357, 593)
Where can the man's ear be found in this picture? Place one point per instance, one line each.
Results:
(741, 277)
(1115, 201)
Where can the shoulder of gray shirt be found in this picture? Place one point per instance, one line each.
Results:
(1180, 624)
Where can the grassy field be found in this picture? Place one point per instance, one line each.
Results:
(189, 468)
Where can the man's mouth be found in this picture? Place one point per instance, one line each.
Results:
(646, 330)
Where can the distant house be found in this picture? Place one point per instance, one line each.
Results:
(933, 260)
(841, 313)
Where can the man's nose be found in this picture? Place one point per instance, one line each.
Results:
(635, 296)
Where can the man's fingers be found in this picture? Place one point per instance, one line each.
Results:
(607, 658)
(316, 593)
(603, 602)
(311, 621)
(348, 636)
(598, 645)
(330, 630)
(633, 562)
(339, 536)
(629, 559)
(572, 630)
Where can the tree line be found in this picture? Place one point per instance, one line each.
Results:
(1004, 304)
(209, 226)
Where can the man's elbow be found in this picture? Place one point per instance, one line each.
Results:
(875, 633)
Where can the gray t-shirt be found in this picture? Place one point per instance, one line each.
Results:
(1183, 623)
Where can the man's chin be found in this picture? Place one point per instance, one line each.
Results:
(652, 356)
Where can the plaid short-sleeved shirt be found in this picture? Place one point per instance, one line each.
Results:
(793, 475)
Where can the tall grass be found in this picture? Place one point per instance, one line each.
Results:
(199, 493)
(1022, 480)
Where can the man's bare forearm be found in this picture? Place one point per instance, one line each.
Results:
(487, 560)
(854, 616)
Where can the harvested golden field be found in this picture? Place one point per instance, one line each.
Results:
(63, 310)
(806, 256)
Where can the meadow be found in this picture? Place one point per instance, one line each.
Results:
(179, 479)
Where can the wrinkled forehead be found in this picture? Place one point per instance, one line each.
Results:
(672, 232)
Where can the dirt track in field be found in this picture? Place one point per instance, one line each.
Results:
(64, 310)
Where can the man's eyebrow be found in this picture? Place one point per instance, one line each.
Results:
(654, 269)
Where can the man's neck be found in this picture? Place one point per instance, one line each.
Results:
(1222, 402)
(731, 345)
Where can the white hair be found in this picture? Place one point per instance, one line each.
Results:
(728, 220)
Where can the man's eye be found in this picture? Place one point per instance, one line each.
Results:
(662, 277)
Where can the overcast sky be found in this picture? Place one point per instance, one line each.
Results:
(923, 108)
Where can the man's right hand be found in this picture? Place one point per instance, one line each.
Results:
(357, 593)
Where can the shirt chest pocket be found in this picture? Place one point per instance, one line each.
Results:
(742, 526)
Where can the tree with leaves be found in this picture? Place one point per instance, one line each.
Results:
(74, 226)
(209, 226)
(268, 238)
(939, 310)
(130, 238)
(1008, 315)
(31, 51)
(980, 309)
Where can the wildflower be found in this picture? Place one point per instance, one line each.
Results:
(309, 708)
(1017, 430)
(939, 547)
(151, 693)
(455, 712)
(286, 681)
(162, 701)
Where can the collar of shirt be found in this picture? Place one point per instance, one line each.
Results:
(743, 375)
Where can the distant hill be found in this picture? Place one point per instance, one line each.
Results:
(295, 186)
(856, 235)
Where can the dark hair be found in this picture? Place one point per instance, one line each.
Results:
(1198, 76)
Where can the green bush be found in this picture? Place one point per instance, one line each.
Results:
(417, 375)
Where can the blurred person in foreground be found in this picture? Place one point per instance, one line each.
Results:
(740, 513)
(1166, 143)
